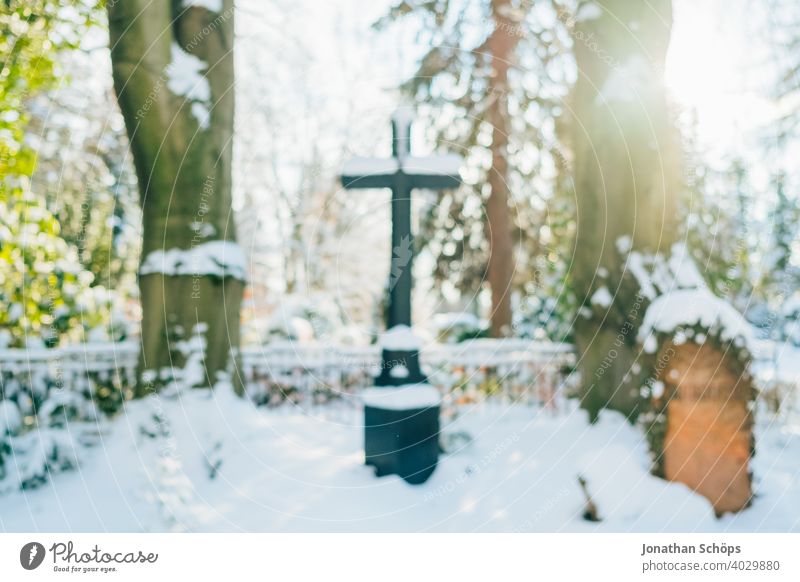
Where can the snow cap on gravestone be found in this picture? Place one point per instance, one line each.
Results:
(400, 338)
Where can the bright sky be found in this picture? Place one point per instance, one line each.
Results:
(719, 66)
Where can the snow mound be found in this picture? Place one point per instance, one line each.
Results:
(207, 461)
(656, 274)
(694, 307)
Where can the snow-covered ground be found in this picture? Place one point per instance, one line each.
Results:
(206, 462)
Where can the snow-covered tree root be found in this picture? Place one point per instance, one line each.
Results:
(700, 426)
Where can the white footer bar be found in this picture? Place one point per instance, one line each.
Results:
(399, 557)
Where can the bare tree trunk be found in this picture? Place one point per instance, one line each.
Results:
(500, 44)
(626, 183)
(173, 75)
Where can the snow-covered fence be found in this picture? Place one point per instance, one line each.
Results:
(105, 372)
(514, 370)
(281, 372)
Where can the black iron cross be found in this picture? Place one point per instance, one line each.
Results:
(402, 437)
(402, 173)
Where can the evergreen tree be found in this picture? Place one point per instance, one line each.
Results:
(494, 73)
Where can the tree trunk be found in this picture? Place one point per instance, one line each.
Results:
(500, 45)
(626, 183)
(173, 75)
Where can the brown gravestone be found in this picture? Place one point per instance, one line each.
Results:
(708, 439)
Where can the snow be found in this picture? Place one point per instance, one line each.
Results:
(658, 275)
(444, 321)
(403, 117)
(445, 164)
(690, 307)
(203, 229)
(684, 270)
(10, 418)
(217, 258)
(185, 78)
(601, 297)
(212, 5)
(400, 338)
(408, 397)
(635, 264)
(658, 389)
(439, 165)
(777, 361)
(399, 371)
(362, 166)
(588, 11)
(201, 114)
(207, 462)
(791, 307)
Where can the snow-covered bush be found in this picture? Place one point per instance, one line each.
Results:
(543, 318)
(790, 320)
(35, 439)
(48, 295)
(51, 401)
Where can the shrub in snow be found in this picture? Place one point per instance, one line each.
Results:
(544, 318)
(39, 440)
(51, 406)
(47, 293)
